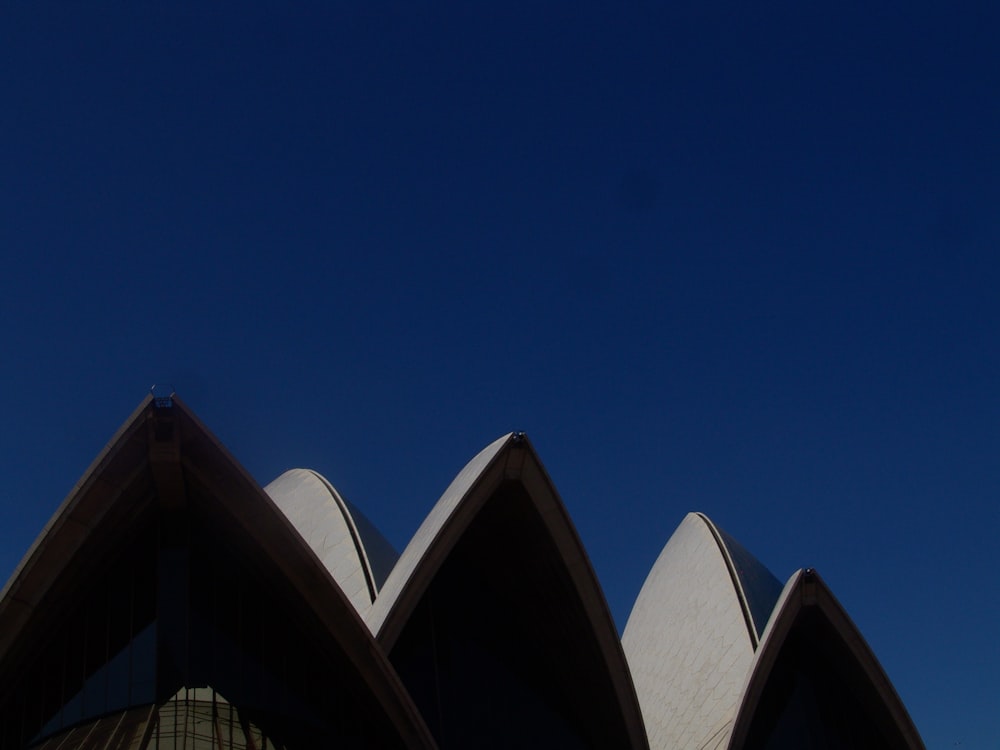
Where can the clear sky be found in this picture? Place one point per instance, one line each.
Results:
(729, 257)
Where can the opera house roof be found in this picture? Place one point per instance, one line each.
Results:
(173, 602)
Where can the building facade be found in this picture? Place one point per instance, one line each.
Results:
(172, 602)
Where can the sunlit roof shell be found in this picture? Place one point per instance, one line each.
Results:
(349, 546)
(688, 641)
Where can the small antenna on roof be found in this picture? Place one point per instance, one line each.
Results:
(163, 395)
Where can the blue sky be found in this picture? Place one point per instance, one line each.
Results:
(725, 258)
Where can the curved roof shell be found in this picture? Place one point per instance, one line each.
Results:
(715, 646)
(499, 547)
(347, 544)
(813, 658)
(691, 635)
(428, 547)
(164, 462)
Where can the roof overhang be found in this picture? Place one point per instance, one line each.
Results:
(806, 593)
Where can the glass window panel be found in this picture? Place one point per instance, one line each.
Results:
(119, 635)
(73, 678)
(119, 613)
(78, 657)
(72, 711)
(95, 655)
(143, 667)
(52, 690)
(53, 725)
(143, 597)
(95, 692)
(118, 680)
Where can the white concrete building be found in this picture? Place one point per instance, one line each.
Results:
(172, 602)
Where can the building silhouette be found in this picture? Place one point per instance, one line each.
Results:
(171, 602)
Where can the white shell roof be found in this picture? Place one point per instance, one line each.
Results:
(806, 590)
(429, 531)
(450, 517)
(126, 472)
(325, 521)
(688, 643)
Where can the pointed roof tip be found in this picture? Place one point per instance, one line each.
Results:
(99, 506)
(162, 395)
(807, 603)
(401, 583)
(509, 458)
(689, 611)
(97, 491)
(69, 507)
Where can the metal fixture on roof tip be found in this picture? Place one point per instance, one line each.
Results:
(520, 437)
(163, 395)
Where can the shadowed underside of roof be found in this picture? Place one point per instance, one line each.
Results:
(814, 682)
(494, 603)
(169, 568)
(401, 586)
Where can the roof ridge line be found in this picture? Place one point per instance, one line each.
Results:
(352, 527)
(735, 576)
